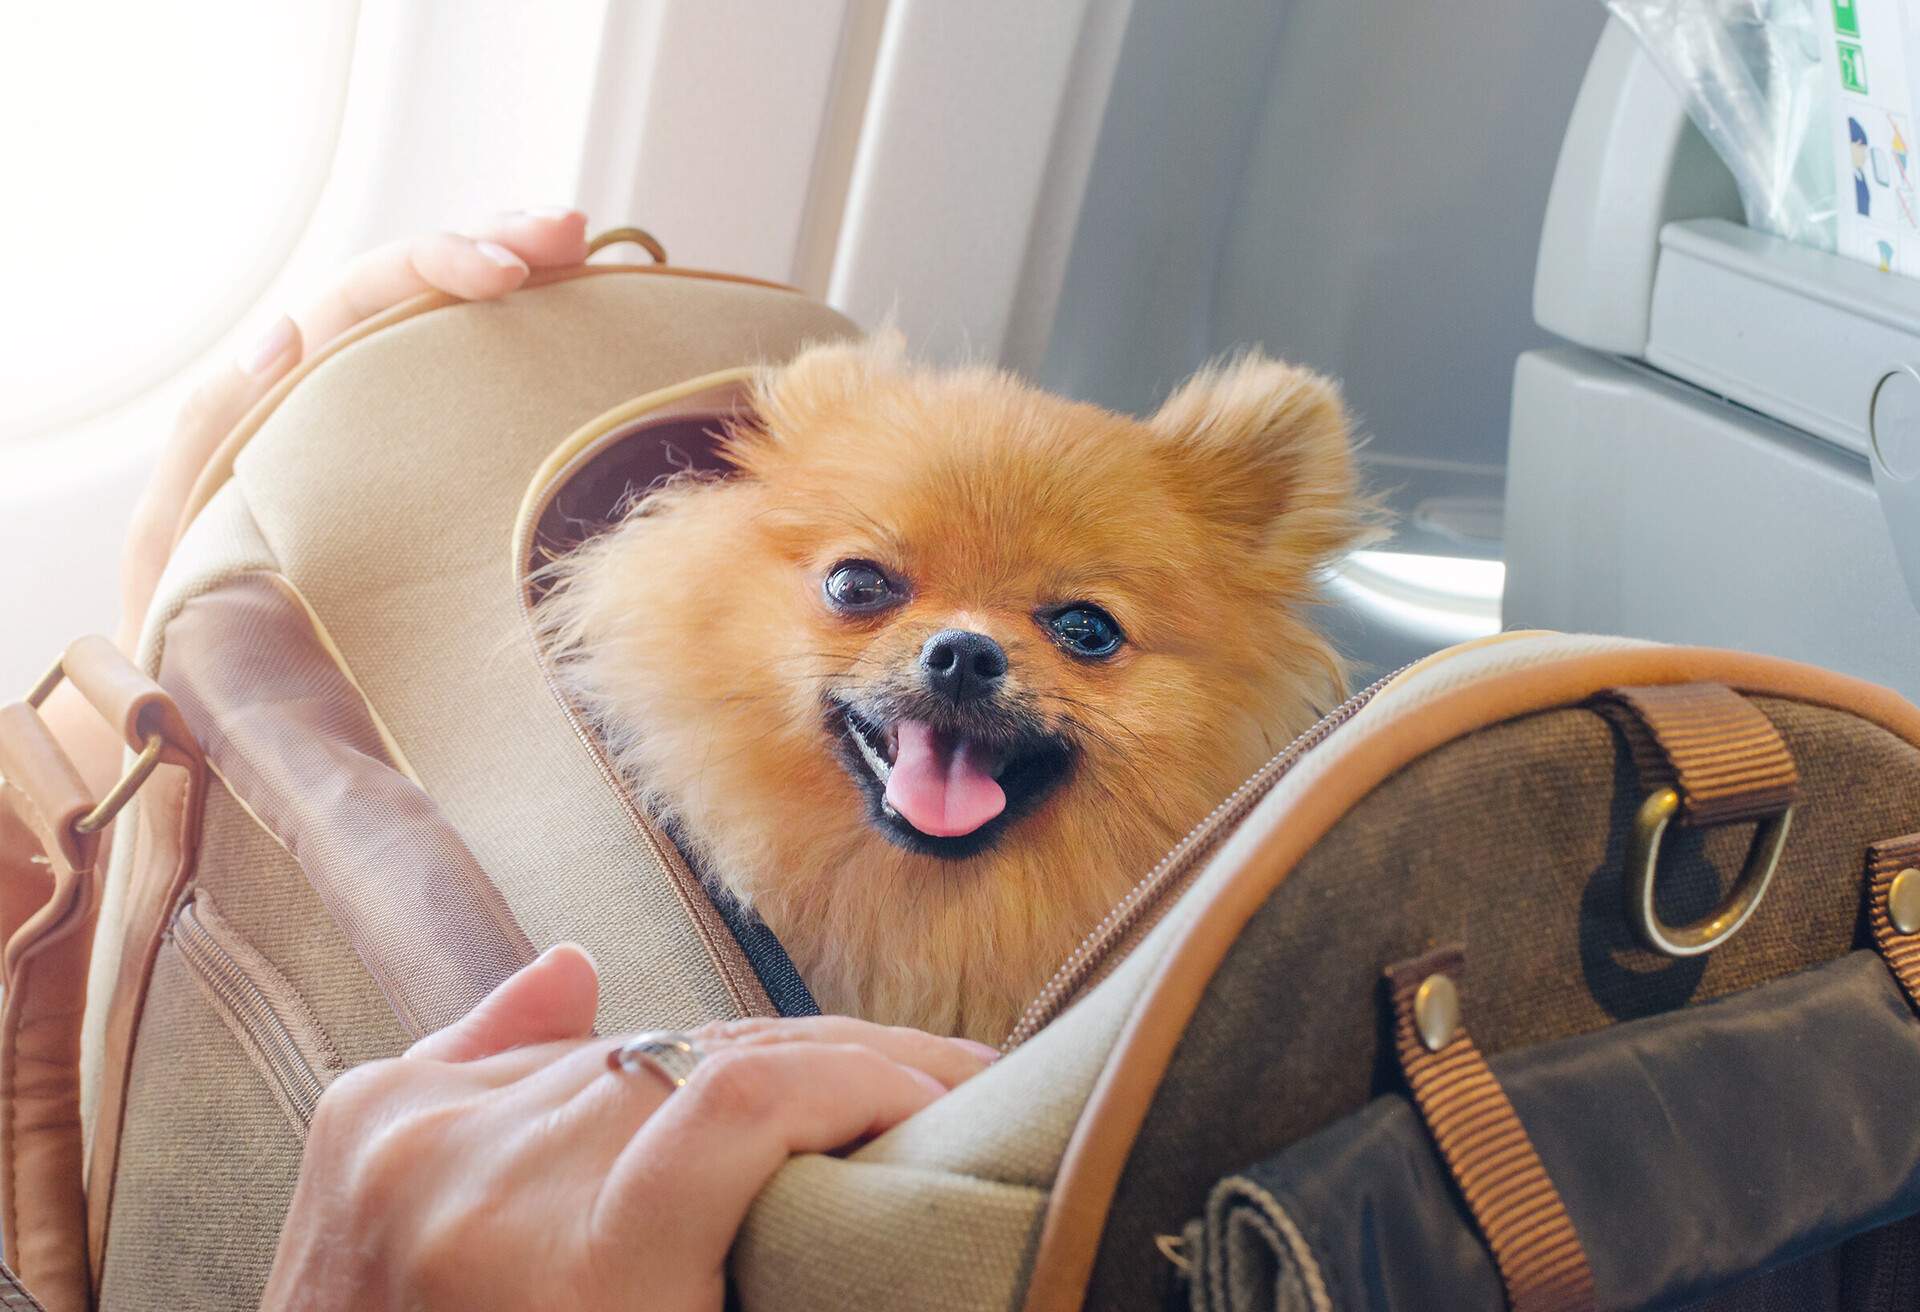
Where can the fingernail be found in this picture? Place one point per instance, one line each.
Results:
(569, 944)
(273, 344)
(552, 212)
(500, 255)
(984, 1051)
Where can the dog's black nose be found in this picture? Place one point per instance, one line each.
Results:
(961, 665)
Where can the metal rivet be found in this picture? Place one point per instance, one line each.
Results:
(1903, 901)
(1436, 1009)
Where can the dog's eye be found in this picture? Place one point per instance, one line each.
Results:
(1086, 631)
(860, 585)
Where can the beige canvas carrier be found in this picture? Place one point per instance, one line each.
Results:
(356, 802)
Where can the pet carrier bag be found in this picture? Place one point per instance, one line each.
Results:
(1556, 972)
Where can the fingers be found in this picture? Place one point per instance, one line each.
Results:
(550, 999)
(214, 408)
(562, 1081)
(949, 1061)
(488, 264)
(549, 1079)
(388, 275)
(690, 1173)
(225, 397)
(545, 239)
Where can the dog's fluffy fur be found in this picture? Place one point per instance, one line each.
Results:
(696, 636)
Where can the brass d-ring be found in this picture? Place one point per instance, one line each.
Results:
(137, 774)
(121, 793)
(1643, 860)
(640, 237)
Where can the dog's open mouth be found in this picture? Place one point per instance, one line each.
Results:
(934, 789)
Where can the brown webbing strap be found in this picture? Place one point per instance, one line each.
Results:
(1901, 950)
(1487, 1150)
(1714, 747)
(1880, 1266)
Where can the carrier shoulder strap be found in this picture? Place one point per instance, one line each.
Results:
(50, 843)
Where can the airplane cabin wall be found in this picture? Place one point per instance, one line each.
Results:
(1099, 193)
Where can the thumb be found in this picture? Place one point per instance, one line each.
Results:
(548, 999)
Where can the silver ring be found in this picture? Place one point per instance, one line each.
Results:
(668, 1054)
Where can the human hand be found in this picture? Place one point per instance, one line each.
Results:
(502, 1163)
(490, 263)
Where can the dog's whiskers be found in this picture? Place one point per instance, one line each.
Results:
(1087, 708)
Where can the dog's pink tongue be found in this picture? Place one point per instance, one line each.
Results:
(940, 785)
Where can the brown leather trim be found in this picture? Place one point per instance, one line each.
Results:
(1713, 747)
(545, 527)
(1902, 951)
(219, 466)
(1488, 1152)
(1104, 1136)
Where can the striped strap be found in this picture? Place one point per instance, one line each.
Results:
(1714, 747)
(1486, 1148)
(1885, 861)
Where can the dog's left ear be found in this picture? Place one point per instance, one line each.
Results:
(1266, 448)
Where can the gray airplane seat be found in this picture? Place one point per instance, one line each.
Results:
(1724, 449)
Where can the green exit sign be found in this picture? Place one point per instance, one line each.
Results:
(1853, 67)
(1846, 17)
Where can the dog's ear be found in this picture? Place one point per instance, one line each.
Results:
(796, 397)
(1266, 449)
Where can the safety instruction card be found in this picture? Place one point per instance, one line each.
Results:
(1868, 53)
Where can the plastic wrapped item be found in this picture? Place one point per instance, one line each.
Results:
(1756, 83)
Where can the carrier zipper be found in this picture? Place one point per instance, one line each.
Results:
(299, 1085)
(1140, 908)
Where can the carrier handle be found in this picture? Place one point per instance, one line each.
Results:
(1712, 759)
(637, 236)
(50, 843)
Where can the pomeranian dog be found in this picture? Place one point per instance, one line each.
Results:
(947, 663)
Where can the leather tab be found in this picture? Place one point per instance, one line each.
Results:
(26, 879)
(127, 699)
(1487, 1150)
(42, 785)
(1885, 860)
(1711, 745)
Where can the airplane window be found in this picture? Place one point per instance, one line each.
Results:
(145, 146)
